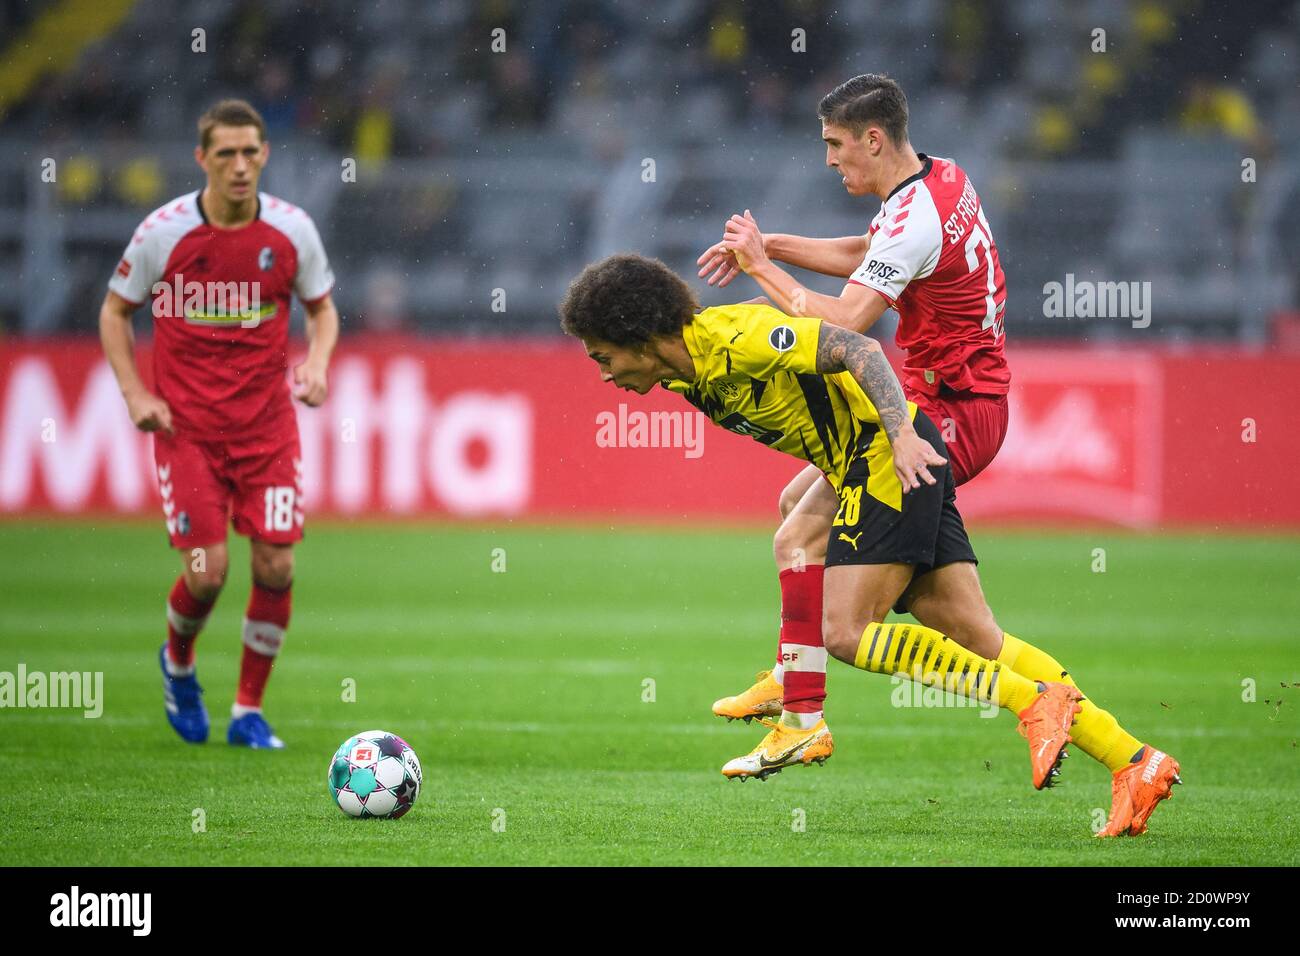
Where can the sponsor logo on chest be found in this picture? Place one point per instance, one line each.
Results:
(212, 303)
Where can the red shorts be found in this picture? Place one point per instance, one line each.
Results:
(973, 427)
(255, 483)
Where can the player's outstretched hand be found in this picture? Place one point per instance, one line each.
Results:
(309, 384)
(742, 238)
(718, 260)
(912, 457)
(149, 413)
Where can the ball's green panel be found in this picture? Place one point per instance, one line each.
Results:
(339, 773)
(362, 782)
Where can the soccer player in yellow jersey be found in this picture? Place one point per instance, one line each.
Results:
(827, 395)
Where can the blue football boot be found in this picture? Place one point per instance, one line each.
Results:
(252, 730)
(183, 698)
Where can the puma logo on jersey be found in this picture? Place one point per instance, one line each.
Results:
(853, 540)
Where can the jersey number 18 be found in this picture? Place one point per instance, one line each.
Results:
(279, 508)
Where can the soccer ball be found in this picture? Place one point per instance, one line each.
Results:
(374, 774)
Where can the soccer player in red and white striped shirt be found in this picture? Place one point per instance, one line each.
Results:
(219, 267)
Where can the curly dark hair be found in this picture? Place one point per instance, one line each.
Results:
(627, 300)
(869, 99)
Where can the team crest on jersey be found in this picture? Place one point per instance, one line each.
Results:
(265, 259)
(781, 338)
(183, 523)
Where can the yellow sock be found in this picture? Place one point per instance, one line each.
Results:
(1095, 731)
(922, 653)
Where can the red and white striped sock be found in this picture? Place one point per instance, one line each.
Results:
(265, 623)
(186, 616)
(803, 656)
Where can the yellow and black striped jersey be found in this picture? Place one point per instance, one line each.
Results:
(756, 374)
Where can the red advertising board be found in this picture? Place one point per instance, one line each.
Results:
(526, 428)
(1085, 441)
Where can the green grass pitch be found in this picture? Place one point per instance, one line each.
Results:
(522, 692)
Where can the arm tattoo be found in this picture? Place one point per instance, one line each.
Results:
(840, 350)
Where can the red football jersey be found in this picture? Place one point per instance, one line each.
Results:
(221, 302)
(932, 256)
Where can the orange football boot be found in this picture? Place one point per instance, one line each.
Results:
(1046, 725)
(1135, 791)
(761, 700)
(783, 747)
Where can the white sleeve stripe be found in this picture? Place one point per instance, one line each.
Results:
(314, 279)
(906, 247)
(147, 252)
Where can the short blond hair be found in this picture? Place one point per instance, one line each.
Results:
(230, 113)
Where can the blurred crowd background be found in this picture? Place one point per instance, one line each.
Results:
(1169, 156)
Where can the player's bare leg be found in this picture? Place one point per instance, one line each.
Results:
(265, 623)
(858, 597)
(204, 569)
(188, 605)
(801, 735)
(272, 564)
(808, 505)
(950, 600)
(799, 486)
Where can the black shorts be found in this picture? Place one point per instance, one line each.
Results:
(927, 533)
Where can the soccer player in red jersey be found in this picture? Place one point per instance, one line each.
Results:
(929, 254)
(219, 266)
